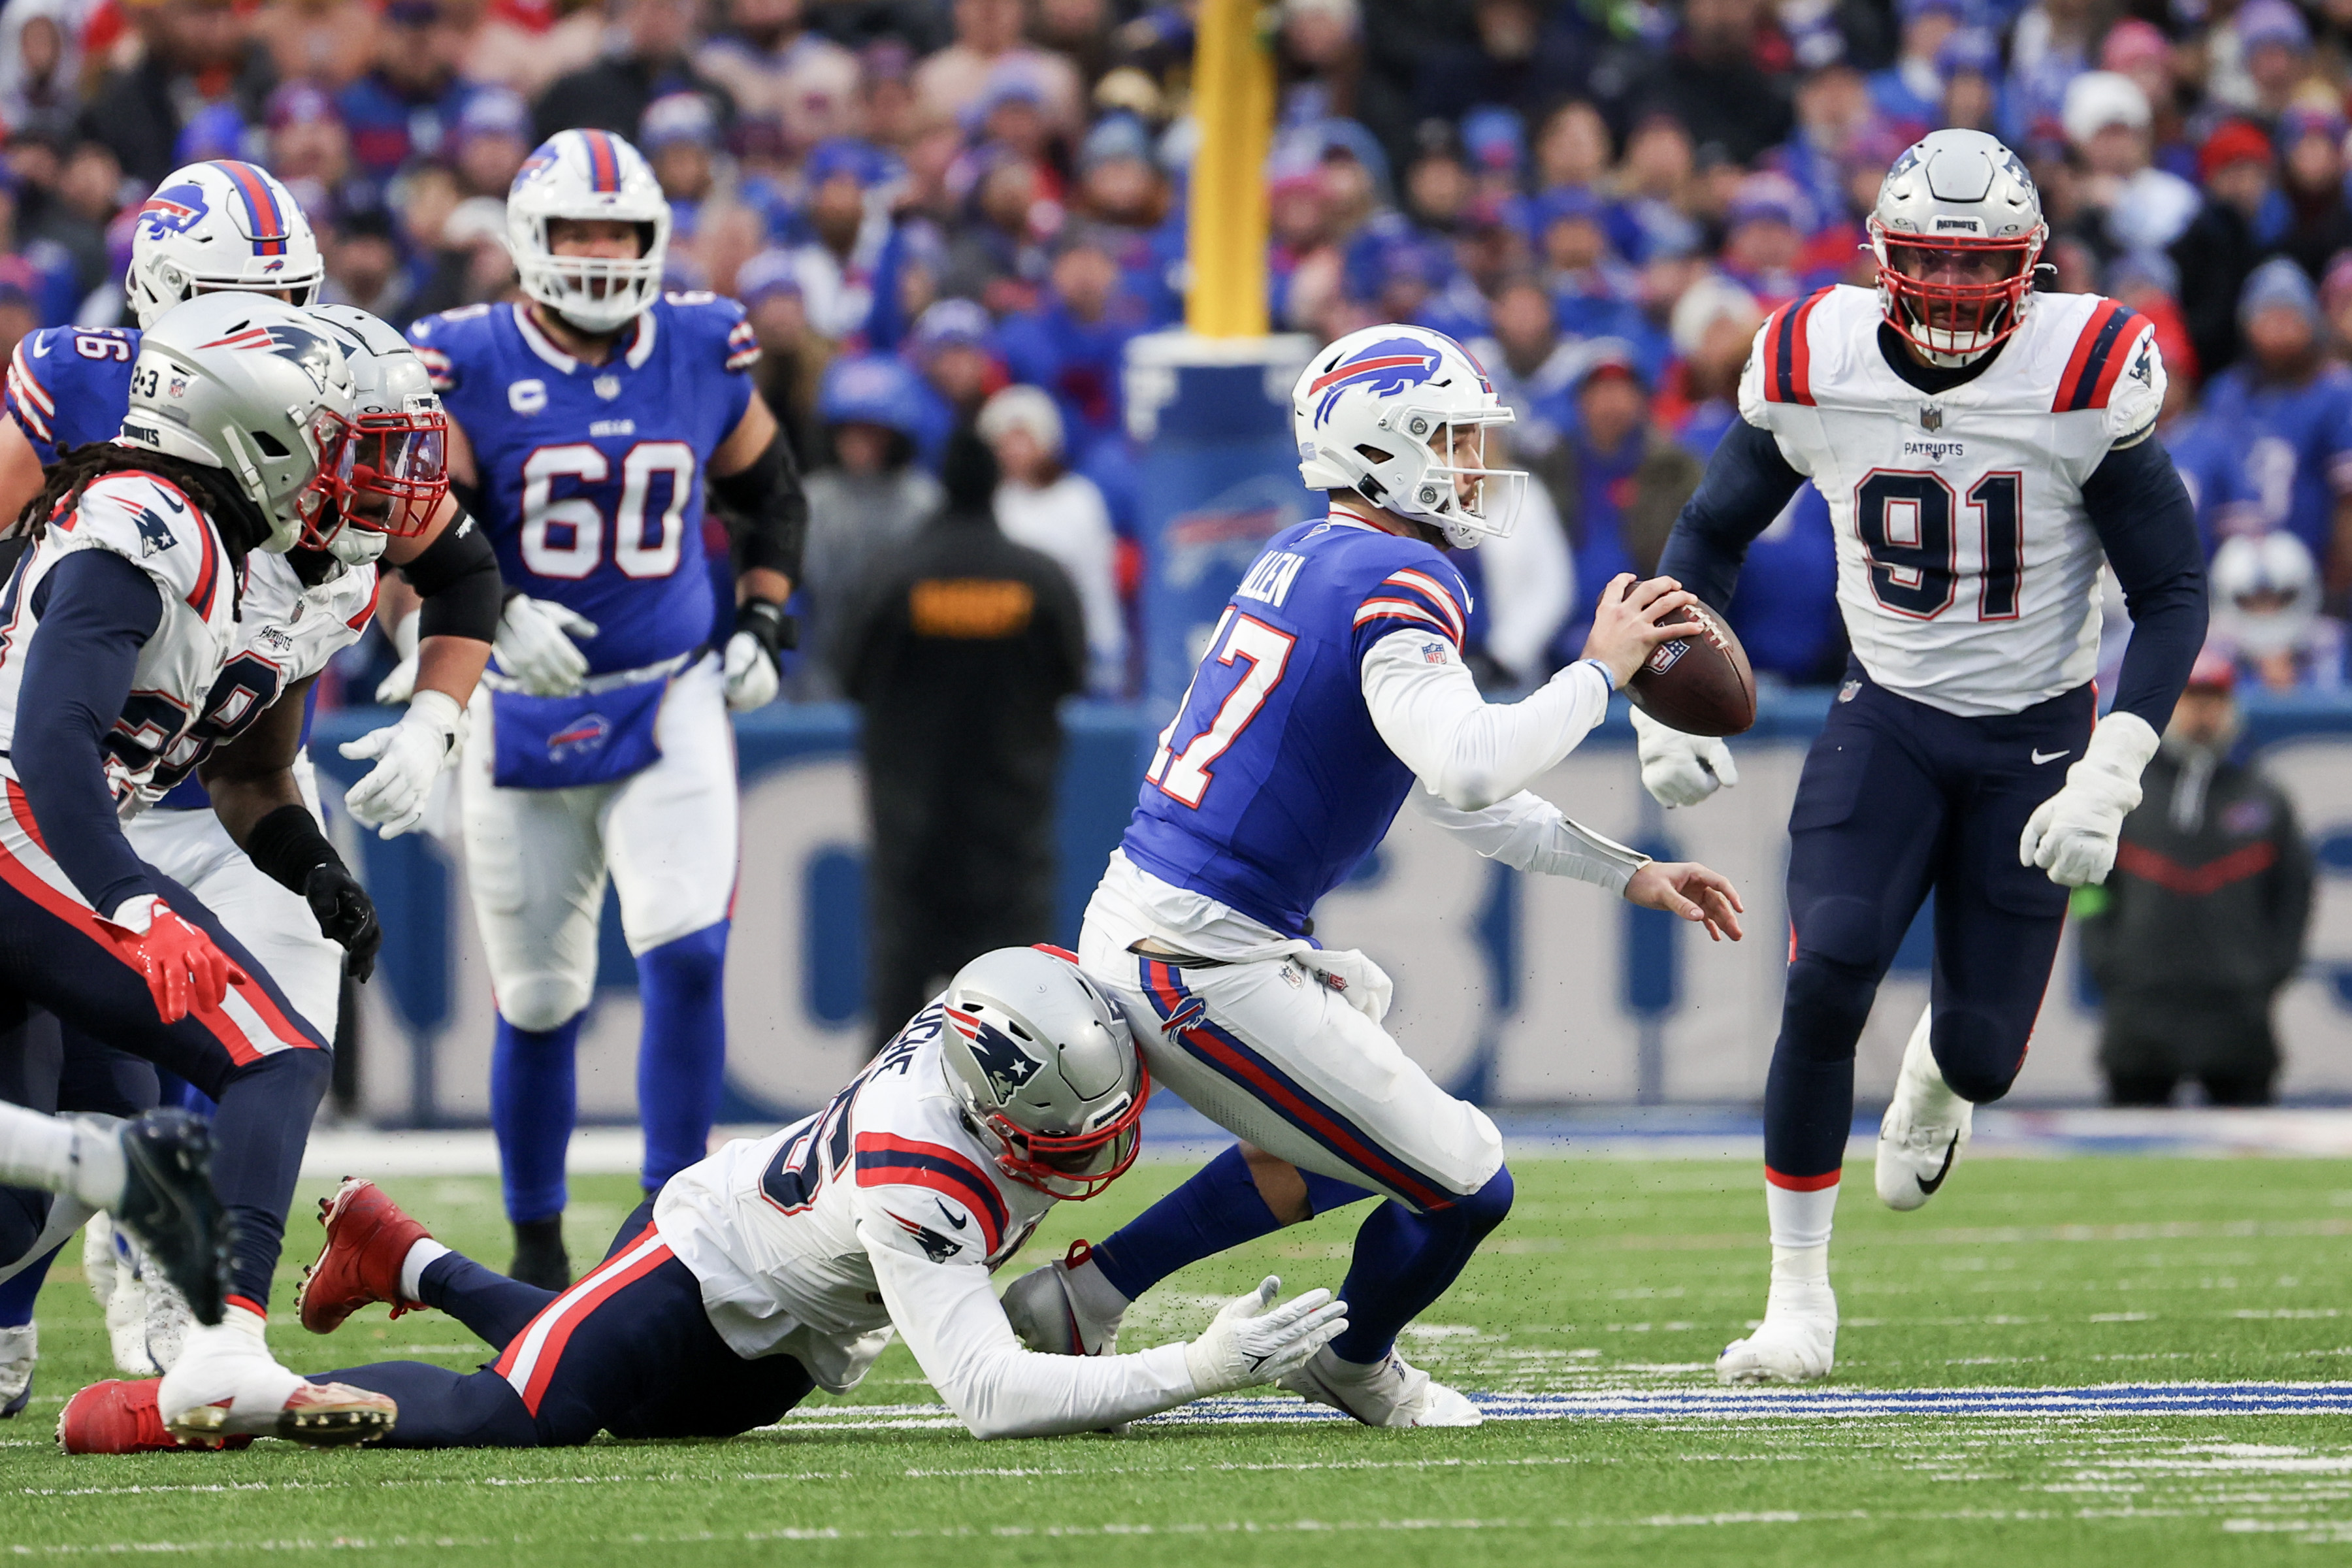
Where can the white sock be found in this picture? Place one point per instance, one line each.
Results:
(1800, 1219)
(56, 1156)
(1932, 1099)
(1096, 1296)
(412, 1267)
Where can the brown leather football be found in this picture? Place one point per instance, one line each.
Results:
(1702, 685)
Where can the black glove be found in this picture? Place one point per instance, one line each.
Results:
(776, 630)
(345, 914)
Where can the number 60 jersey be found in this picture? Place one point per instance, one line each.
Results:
(1967, 567)
(591, 474)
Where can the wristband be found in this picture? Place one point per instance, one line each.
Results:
(286, 846)
(776, 630)
(1607, 678)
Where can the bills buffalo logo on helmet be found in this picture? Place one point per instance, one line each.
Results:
(313, 353)
(175, 210)
(1383, 369)
(580, 737)
(1005, 1065)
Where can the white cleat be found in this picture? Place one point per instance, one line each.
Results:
(1925, 1130)
(1388, 1393)
(1797, 1342)
(227, 1384)
(126, 1322)
(100, 1262)
(19, 1349)
(169, 1323)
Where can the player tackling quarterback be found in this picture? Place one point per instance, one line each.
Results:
(1979, 446)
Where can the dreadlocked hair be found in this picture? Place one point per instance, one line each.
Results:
(241, 524)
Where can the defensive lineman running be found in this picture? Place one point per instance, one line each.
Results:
(1332, 692)
(1979, 446)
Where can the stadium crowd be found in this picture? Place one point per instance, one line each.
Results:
(943, 209)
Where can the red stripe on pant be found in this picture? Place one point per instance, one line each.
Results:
(570, 1310)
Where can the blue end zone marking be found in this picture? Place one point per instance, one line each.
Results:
(1848, 1404)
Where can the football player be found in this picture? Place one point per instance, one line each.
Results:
(1981, 448)
(592, 419)
(780, 1265)
(1332, 692)
(118, 621)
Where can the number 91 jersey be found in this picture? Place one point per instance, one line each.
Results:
(1968, 568)
(591, 474)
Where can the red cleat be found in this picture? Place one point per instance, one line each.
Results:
(120, 1417)
(368, 1238)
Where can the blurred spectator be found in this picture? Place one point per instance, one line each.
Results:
(407, 103)
(309, 148)
(1043, 505)
(1535, 370)
(363, 265)
(1523, 586)
(1764, 240)
(2202, 920)
(774, 64)
(1073, 344)
(1725, 80)
(19, 308)
(865, 504)
(1626, 479)
(2311, 155)
(954, 349)
(41, 66)
(327, 43)
(523, 44)
(1507, 57)
(1911, 91)
(2242, 217)
(471, 265)
(192, 54)
(1713, 326)
(1572, 148)
(1320, 53)
(490, 140)
(657, 39)
(2259, 57)
(1969, 63)
(959, 649)
(2141, 209)
(847, 229)
(792, 354)
(2266, 619)
(2288, 413)
(2139, 50)
(1594, 294)
(987, 41)
(998, 254)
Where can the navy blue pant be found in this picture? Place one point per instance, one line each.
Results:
(626, 1350)
(1896, 799)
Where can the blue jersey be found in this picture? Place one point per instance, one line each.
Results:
(591, 476)
(1271, 783)
(2294, 447)
(69, 385)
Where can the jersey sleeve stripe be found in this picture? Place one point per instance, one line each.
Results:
(1440, 597)
(358, 623)
(437, 367)
(26, 385)
(2129, 325)
(1372, 610)
(1800, 346)
(886, 1161)
(2096, 341)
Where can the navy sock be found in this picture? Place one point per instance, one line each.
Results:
(18, 1291)
(266, 1110)
(1405, 1260)
(444, 1410)
(682, 1055)
(488, 1303)
(1217, 1209)
(533, 1102)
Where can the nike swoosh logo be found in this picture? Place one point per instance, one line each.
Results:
(1951, 1148)
(2039, 759)
(958, 1221)
(41, 350)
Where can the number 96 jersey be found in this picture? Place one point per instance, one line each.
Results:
(1968, 568)
(591, 474)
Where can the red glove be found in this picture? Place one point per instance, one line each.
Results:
(183, 968)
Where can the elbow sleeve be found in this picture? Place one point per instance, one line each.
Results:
(457, 576)
(768, 508)
(2147, 526)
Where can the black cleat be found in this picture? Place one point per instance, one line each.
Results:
(168, 1202)
(540, 1258)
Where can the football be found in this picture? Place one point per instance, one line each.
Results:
(1702, 685)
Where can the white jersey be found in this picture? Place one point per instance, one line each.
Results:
(1968, 570)
(152, 524)
(883, 1209)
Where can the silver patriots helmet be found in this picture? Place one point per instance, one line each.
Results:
(392, 467)
(1957, 231)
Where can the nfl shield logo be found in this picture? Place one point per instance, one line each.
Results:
(1931, 417)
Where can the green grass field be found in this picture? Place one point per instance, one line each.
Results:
(1623, 1275)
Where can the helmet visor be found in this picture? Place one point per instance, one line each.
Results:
(384, 472)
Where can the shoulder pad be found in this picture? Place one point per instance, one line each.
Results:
(152, 524)
(2138, 394)
(29, 399)
(704, 317)
(1782, 359)
(930, 1182)
(442, 341)
(2102, 350)
(923, 1223)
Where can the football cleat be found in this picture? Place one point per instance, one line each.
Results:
(539, 1256)
(126, 1312)
(1048, 1318)
(101, 1260)
(1925, 1130)
(1797, 1342)
(227, 1384)
(368, 1238)
(1389, 1392)
(168, 1322)
(170, 1207)
(120, 1417)
(322, 1414)
(19, 1349)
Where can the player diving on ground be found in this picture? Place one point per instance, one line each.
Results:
(1332, 693)
(1981, 448)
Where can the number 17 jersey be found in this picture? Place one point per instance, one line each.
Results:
(592, 475)
(1968, 567)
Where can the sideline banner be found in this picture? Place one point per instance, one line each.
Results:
(1515, 990)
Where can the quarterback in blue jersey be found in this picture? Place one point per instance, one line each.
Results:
(1333, 693)
(590, 421)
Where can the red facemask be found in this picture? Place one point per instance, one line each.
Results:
(1954, 317)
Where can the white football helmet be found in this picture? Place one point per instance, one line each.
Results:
(1046, 1069)
(2265, 592)
(588, 175)
(1399, 415)
(392, 469)
(248, 383)
(222, 226)
(1958, 231)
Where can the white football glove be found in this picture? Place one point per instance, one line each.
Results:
(2072, 835)
(752, 679)
(401, 685)
(535, 644)
(410, 756)
(1248, 1344)
(1679, 769)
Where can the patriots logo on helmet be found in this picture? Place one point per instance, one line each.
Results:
(1005, 1065)
(582, 736)
(313, 352)
(1383, 369)
(175, 210)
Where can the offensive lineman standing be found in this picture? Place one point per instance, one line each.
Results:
(1980, 447)
(587, 420)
